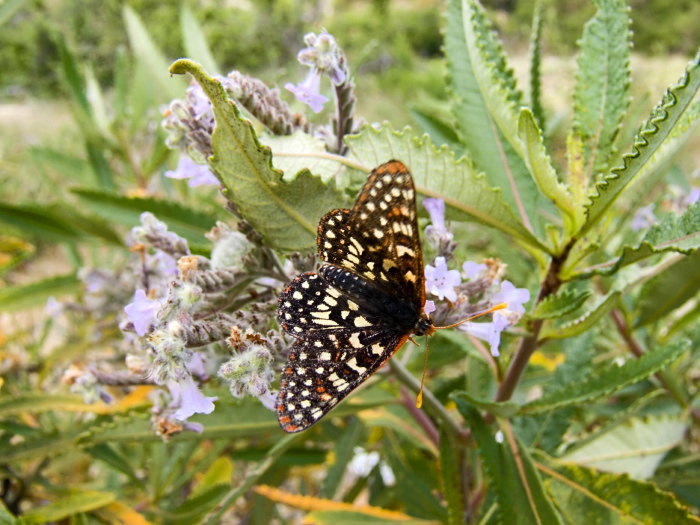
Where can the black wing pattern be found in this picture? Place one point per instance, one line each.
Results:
(361, 306)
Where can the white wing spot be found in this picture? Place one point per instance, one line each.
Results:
(352, 363)
(361, 322)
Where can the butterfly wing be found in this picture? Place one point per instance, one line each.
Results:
(378, 239)
(339, 345)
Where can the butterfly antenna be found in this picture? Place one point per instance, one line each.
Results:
(419, 397)
(499, 306)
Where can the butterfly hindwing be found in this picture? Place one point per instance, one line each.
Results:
(332, 354)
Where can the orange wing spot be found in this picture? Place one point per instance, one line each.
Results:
(291, 428)
(288, 370)
(320, 389)
(284, 419)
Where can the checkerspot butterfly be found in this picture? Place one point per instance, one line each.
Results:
(364, 302)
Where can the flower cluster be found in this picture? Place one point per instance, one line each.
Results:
(483, 280)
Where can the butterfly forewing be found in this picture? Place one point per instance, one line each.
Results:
(378, 239)
(361, 306)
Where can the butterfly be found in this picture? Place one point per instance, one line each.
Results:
(361, 305)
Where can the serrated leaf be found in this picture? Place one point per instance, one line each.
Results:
(513, 478)
(535, 60)
(467, 196)
(70, 505)
(583, 323)
(668, 290)
(186, 222)
(16, 298)
(635, 447)
(584, 495)
(540, 165)
(674, 233)
(605, 382)
(195, 43)
(151, 57)
(649, 139)
(562, 303)
(485, 109)
(505, 409)
(286, 214)
(601, 93)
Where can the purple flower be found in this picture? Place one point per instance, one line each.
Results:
(436, 210)
(189, 398)
(323, 55)
(268, 399)
(142, 312)
(440, 281)
(199, 174)
(429, 307)
(489, 332)
(693, 196)
(514, 297)
(308, 91)
(472, 269)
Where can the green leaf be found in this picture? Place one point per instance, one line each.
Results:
(196, 46)
(438, 125)
(635, 447)
(286, 214)
(22, 297)
(560, 304)
(343, 452)
(197, 505)
(583, 323)
(672, 288)
(38, 222)
(151, 57)
(415, 490)
(467, 196)
(601, 94)
(485, 108)
(516, 484)
(535, 55)
(76, 502)
(114, 459)
(504, 409)
(674, 233)
(605, 382)
(187, 222)
(648, 141)
(540, 165)
(451, 476)
(585, 495)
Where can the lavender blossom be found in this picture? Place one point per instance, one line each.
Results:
(189, 399)
(198, 174)
(440, 281)
(142, 312)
